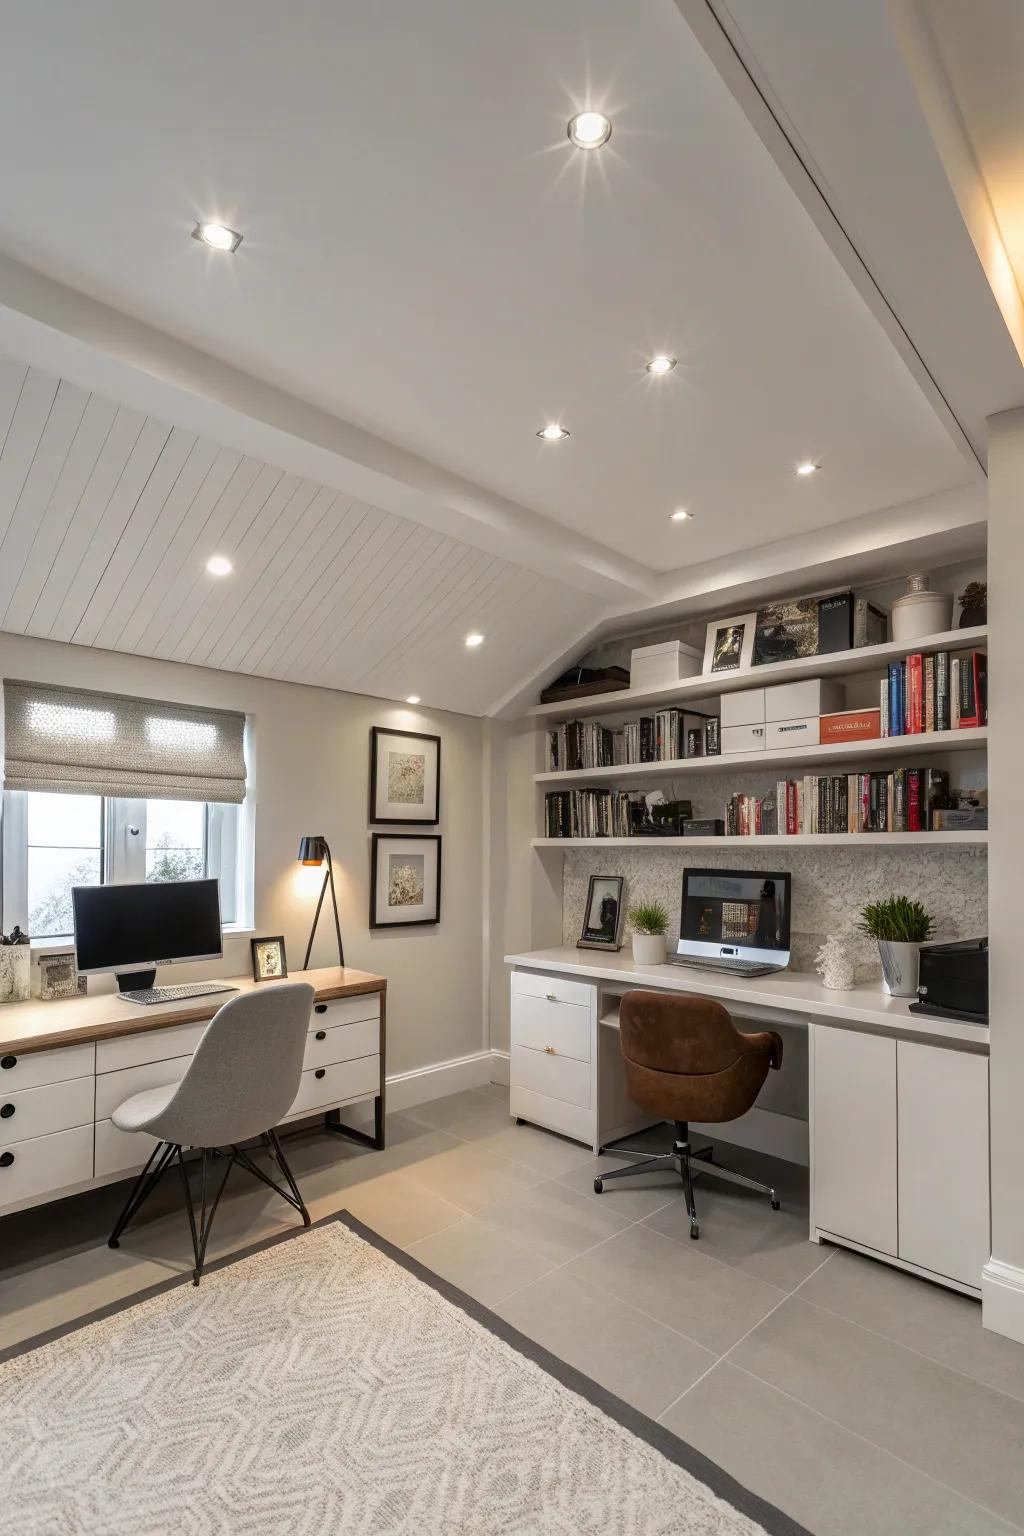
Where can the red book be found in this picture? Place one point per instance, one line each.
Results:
(914, 822)
(915, 694)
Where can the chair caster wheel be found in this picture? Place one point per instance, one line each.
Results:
(776, 1205)
(114, 1242)
(599, 1186)
(694, 1230)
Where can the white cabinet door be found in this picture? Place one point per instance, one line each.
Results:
(943, 1160)
(854, 1161)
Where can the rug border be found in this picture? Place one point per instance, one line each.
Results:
(774, 1521)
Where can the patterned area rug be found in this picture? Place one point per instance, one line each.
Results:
(325, 1383)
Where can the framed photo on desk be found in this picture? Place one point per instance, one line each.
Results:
(603, 914)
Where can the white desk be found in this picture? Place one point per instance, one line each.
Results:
(896, 1103)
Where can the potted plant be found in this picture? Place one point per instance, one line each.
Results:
(901, 926)
(649, 922)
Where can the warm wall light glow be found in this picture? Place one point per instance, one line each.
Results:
(661, 364)
(589, 130)
(413, 698)
(553, 432)
(680, 515)
(217, 236)
(806, 469)
(219, 565)
(473, 640)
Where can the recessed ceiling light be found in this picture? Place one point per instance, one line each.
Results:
(413, 698)
(680, 515)
(219, 565)
(474, 640)
(661, 364)
(589, 130)
(807, 469)
(553, 432)
(217, 236)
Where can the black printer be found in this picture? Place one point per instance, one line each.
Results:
(953, 981)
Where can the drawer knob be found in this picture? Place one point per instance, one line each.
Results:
(550, 1050)
(319, 1007)
(6, 1111)
(8, 1061)
(320, 1072)
(6, 1159)
(321, 1034)
(552, 997)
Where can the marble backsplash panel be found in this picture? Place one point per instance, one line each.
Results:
(830, 886)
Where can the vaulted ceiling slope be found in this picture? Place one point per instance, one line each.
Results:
(108, 516)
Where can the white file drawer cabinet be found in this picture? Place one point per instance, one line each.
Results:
(345, 1010)
(556, 1077)
(32, 1069)
(557, 989)
(552, 1057)
(112, 1088)
(743, 738)
(41, 1111)
(346, 1042)
(30, 1170)
(335, 1085)
(549, 1025)
(854, 1166)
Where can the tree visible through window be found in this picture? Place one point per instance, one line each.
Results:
(65, 849)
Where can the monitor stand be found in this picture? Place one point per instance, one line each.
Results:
(136, 981)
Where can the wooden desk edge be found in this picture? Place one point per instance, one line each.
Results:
(198, 1012)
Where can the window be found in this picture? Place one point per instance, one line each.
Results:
(53, 842)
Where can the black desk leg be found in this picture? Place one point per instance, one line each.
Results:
(332, 1122)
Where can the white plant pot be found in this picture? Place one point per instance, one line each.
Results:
(649, 948)
(900, 966)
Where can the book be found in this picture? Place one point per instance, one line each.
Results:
(973, 676)
(929, 693)
(851, 725)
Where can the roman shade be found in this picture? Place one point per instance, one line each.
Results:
(73, 741)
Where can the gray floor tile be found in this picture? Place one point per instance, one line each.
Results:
(50, 1295)
(958, 1431)
(924, 1317)
(547, 1154)
(710, 1302)
(399, 1209)
(474, 1103)
(829, 1480)
(480, 1260)
(636, 1197)
(554, 1221)
(471, 1176)
(497, 1091)
(639, 1360)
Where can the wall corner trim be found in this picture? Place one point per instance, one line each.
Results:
(1002, 1299)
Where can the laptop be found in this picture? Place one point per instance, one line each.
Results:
(734, 920)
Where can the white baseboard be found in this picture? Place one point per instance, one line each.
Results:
(1002, 1299)
(501, 1067)
(763, 1130)
(407, 1089)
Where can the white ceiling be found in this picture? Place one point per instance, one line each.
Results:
(108, 516)
(425, 257)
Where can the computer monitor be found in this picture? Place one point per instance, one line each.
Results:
(735, 915)
(134, 928)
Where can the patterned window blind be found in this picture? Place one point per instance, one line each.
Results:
(75, 742)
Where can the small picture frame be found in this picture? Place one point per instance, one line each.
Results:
(58, 977)
(405, 880)
(604, 913)
(269, 961)
(729, 644)
(405, 778)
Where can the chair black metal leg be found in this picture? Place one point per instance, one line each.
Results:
(285, 1167)
(668, 1161)
(691, 1206)
(294, 1200)
(142, 1188)
(191, 1212)
(206, 1221)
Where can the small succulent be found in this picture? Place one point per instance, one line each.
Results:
(649, 917)
(897, 920)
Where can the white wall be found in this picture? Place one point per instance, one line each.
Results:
(310, 768)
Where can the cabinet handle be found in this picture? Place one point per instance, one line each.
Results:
(6, 1112)
(550, 1050)
(320, 1072)
(319, 1007)
(6, 1159)
(552, 997)
(8, 1061)
(321, 1034)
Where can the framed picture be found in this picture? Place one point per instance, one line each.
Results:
(729, 645)
(58, 977)
(787, 630)
(405, 880)
(269, 962)
(604, 913)
(405, 777)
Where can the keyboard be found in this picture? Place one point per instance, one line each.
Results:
(730, 967)
(146, 995)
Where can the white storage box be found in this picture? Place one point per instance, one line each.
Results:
(742, 738)
(659, 666)
(743, 708)
(780, 734)
(797, 701)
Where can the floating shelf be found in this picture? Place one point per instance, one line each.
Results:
(868, 658)
(884, 748)
(862, 840)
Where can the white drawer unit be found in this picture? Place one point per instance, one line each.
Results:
(742, 738)
(547, 1024)
(120, 1151)
(345, 1010)
(556, 1077)
(554, 988)
(346, 1042)
(41, 1111)
(854, 1149)
(150, 1045)
(779, 734)
(32, 1170)
(31, 1069)
(112, 1088)
(335, 1085)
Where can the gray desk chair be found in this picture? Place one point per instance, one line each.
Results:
(239, 1084)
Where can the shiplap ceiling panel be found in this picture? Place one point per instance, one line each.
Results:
(108, 517)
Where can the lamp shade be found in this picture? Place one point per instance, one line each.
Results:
(312, 850)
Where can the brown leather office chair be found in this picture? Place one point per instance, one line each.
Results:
(685, 1060)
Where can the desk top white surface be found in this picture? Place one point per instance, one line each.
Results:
(792, 992)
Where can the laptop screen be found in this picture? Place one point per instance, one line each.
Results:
(734, 912)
